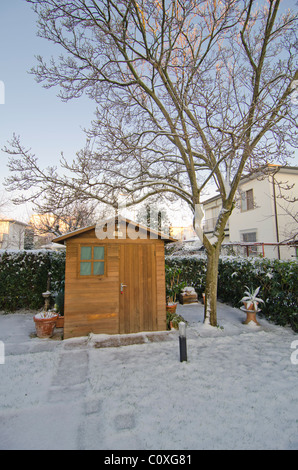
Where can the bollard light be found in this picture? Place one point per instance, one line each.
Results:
(182, 341)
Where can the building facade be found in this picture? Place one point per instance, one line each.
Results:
(265, 218)
(12, 234)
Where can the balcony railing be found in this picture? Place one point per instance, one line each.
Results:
(209, 224)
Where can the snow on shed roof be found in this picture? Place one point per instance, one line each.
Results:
(116, 219)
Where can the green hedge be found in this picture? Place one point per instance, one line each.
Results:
(278, 281)
(24, 275)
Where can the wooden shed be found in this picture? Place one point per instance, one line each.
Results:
(114, 279)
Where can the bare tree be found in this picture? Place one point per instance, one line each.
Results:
(4, 203)
(187, 92)
(61, 221)
(155, 217)
(285, 203)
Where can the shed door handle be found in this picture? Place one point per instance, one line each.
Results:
(122, 286)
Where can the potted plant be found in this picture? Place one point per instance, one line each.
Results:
(59, 308)
(45, 322)
(188, 295)
(173, 320)
(251, 301)
(173, 287)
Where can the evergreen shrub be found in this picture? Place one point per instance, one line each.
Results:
(278, 281)
(24, 275)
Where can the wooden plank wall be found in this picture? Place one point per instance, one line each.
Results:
(91, 304)
(161, 286)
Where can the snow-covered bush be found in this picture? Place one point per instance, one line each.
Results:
(24, 275)
(193, 270)
(277, 281)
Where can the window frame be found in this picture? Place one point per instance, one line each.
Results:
(92, 260)
(247, 199)
(250, 250)
(249, 232)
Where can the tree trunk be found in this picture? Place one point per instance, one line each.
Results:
(213, 248)
(213, 252)
(210, 314)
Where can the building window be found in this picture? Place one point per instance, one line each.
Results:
(247, 200)
(250, 237)
(92, 260)
(211, 215)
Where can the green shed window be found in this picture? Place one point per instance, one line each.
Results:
(99, 252)
(92, 260)
(86, 252)
(99, 268)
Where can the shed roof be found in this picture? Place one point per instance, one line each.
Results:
(118, 219)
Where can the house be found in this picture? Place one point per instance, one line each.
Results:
(183, 233)
(114, 279)
(212, 208)
(45, 227)
(264, 221)
(12, 234)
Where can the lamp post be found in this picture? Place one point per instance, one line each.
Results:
(182, 341)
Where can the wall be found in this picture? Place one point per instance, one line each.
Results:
(12, 234)
(287, 203)
(212, 209)
(261, 218)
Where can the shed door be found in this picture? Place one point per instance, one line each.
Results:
(138, 310)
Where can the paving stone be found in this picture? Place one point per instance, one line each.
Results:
(124, 421)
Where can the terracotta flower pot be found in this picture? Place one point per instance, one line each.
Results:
(60, 322)
(251, 313)
(249, 306)
(251, 316)
(171, 308)
(45, 326)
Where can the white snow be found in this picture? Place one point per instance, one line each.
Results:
(238, 389)
(45, 315)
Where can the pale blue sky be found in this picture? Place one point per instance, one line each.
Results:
(44, 122)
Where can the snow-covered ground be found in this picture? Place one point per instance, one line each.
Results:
(238, 389)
